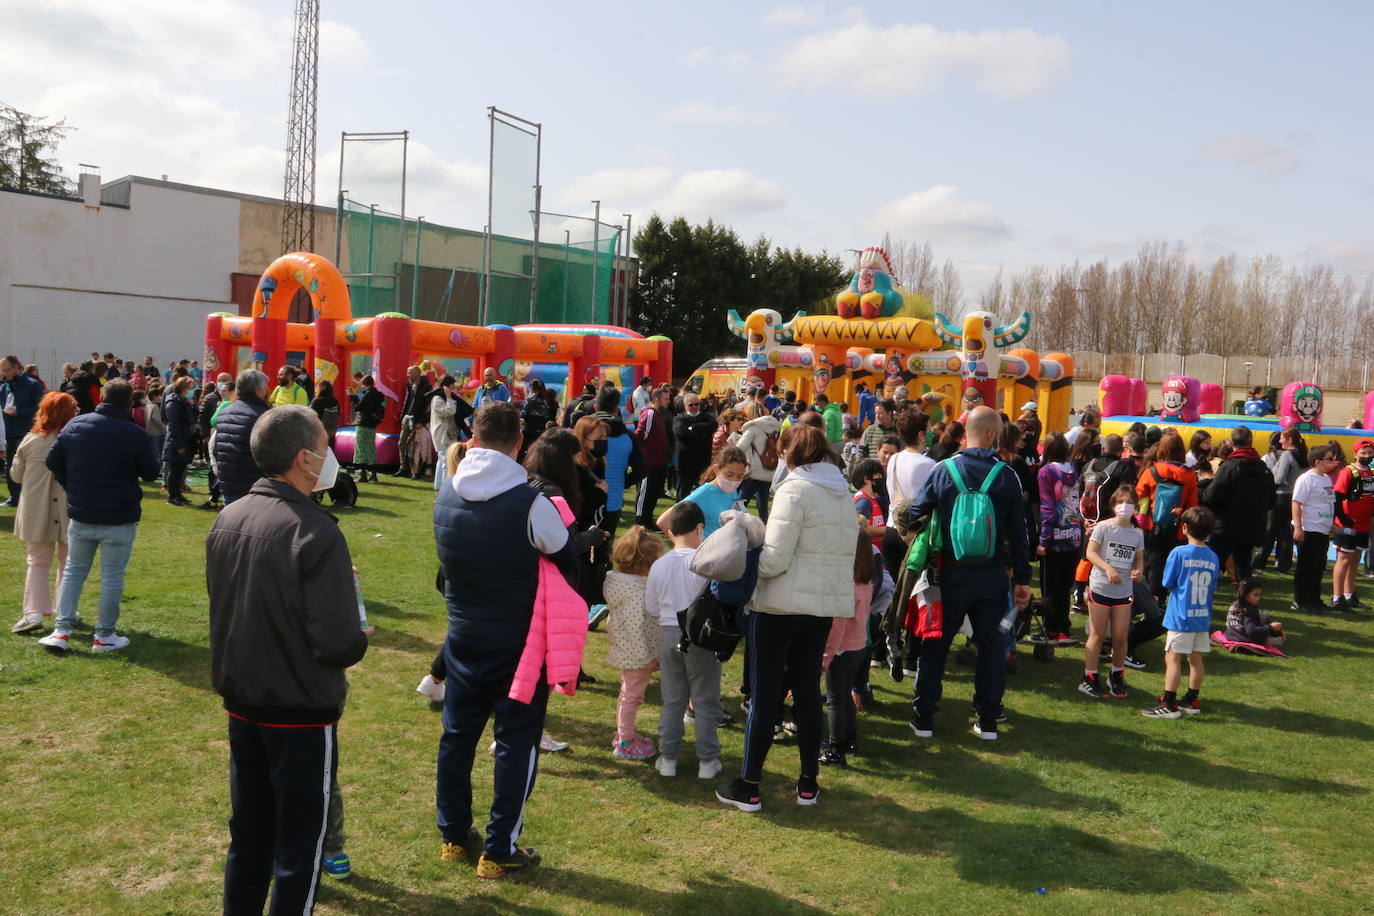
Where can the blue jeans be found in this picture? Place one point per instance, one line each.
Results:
(116, 543)
(756, 490)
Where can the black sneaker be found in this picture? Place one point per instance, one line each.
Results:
(833, 757)
(744, 796)
(1355, 602)
(1092, 686)
(896, 670)
(1162, 711)
(489, 866)
(1117, 683)
(1339, 605)
(808, 793)
(1134, 663)
(923, 726)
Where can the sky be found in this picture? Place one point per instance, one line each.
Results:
(1004, 134)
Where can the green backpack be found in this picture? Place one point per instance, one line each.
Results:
(973, 520)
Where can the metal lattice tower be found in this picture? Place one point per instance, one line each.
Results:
(298, 191)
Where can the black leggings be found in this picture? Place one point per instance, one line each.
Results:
(1157, 552)
(844, 675)
(1056, 585)
(786, 652)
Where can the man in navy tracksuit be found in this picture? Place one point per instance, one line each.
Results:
(976, 590)
(490, 527)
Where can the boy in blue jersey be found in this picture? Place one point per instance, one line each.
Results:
(1190, 575)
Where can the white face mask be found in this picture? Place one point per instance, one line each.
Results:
(1124, 511)
(728, 485)
(329, 471)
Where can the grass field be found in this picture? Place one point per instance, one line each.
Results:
(115, 794)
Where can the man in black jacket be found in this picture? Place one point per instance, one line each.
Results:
(233, 435)
(415, 445)
(1241, 494)
(283, 627)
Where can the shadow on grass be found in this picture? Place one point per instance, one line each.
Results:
(185, 663)
(7, 522)
(1293, 720)
(711, 892)
(387, 638)
(1129, 751)
(1026, 856)
(382, 610)
(1312, 639)
(372, 895)
(362, 509)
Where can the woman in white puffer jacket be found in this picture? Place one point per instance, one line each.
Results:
(806, 578)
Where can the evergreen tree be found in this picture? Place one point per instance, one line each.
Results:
(26, 142)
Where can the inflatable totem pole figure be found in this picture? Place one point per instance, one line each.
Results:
(981, 341)
(872, 290)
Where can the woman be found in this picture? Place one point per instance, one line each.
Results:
(1061, 535)
(138, 380)
(1087, 449)
(1169, 469)
(727, 432)
(1287, 459)
(591, 433)
(806, 573)
(326, 407)
(177, 452)
(443, 425)
(154, 423)
(371, 411)
(536, 412)
(41, 522)
(950, 441)
(1199, 450)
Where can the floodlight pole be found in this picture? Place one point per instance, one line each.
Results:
(415, 273)
(485, 307)
(538, 205)
(401, 240)
(339, 209)
(596, 254)
(567, 249)
(625, 278)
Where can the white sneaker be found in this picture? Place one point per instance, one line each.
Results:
(709, 769)
(431, 689)
(551, 745)
(989, 735)
(666, 766)
(57, 639)
(28, 622)
(112, 643)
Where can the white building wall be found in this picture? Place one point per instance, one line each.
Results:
(76, 279)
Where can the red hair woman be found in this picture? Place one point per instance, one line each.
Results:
(41, 522)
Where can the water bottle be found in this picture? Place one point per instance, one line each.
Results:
(358, 591)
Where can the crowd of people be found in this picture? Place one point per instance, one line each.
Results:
(877, 538)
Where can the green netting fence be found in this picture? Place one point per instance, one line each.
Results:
(444, 281)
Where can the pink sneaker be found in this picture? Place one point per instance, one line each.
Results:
(639, 748)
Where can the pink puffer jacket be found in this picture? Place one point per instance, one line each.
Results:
(558, 631)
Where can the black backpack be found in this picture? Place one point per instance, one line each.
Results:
(711, 625)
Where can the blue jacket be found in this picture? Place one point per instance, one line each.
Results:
(939, 492)
(98, 458)
(624, 463)
(233, 453)
(26, 393)
(180, 416)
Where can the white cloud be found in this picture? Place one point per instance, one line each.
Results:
(795, 16)
(699, 56)
(1345, 254)
(939, 214)
(737, 62)
(632, 186)
(1246, 151)
(720, 194)
(705, 114)
(914, 58)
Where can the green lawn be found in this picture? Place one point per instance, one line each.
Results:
(115, 797)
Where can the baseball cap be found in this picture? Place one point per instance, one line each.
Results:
(1030, 405)
(1364, 443)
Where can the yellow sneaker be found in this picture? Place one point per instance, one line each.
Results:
(458, 852)
(500, 866)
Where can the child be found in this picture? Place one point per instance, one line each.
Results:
(852, 451)
(1245, 623)
(1190, 575)
(1116, 551)
(632, 636)
(846, 659)
(721, 490)
(864, 478)
(694, 674)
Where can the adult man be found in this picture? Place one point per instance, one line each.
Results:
(772, 399)
(583, 405)
(692, 432)
(19, 397)
(283, 627)
(653, 429)
(195, 371)
(492, 389)
(1354, 492)
(834, 420)
(415, 446)
(883, 426)
(287, 390)
(98, 458)
(85, 387)
(491, 527)
(1087, 420)
(1240, 495)
(233, 435)
(643, 394)
(977, 590)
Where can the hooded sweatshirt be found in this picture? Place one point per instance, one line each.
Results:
(1241, 494)
(753, 442)
(1061, 525)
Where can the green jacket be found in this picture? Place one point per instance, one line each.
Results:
(834, 423)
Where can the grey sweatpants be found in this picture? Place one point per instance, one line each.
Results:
(695, 675)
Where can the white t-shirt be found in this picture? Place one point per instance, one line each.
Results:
(1072, 435)
(907, 473)
(1118, 546)
(1315, 494)
(672, 586)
